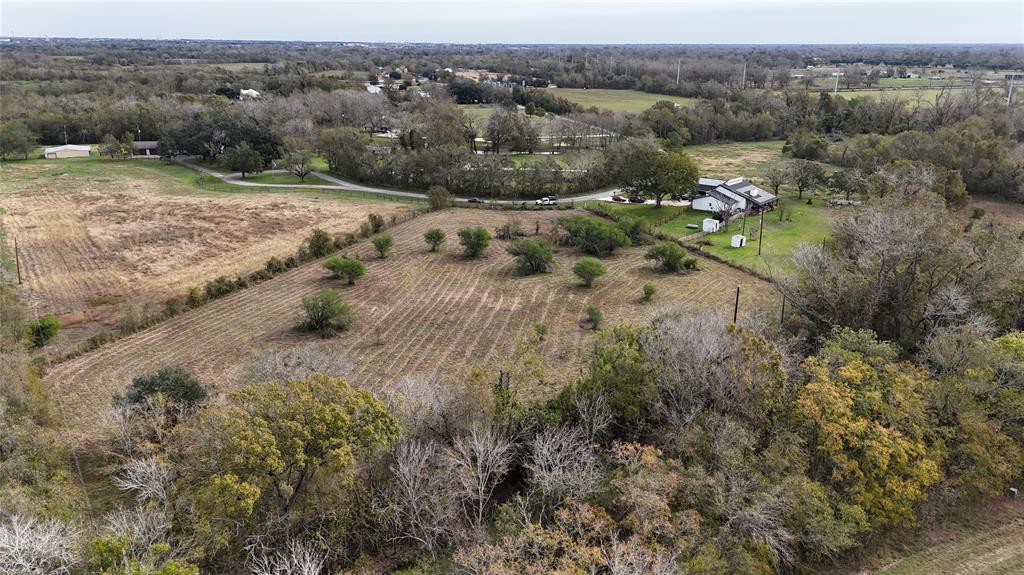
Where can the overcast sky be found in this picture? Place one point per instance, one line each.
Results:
(510, 21)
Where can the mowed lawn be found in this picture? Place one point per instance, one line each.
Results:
(618, 100)
(285, 178)
(800, 223)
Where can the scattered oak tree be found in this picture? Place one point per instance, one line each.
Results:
(438, 197)
(326, 313)
(383, 244)
(532, 256)
(297, 164)
(642, 169)
(244, 159)
(474, 241)
(434, 237)
(806, 175)
(588, 270)
(346, 268)
(669, 255)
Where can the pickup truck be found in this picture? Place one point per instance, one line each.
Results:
(547, 201)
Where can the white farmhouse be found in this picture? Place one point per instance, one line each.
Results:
(735, 195)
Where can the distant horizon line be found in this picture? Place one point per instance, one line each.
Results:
(456, 43)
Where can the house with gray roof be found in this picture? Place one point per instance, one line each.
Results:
(735, 195)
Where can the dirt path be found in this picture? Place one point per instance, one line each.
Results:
(344, 185)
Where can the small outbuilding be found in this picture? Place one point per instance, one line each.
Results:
(711, 225)
(146, 148)
(738, 241)
(67, 151)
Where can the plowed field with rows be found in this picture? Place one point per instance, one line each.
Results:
(433, 315)
(94, 235)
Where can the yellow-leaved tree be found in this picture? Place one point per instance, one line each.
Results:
(278, 453)
(868, 430)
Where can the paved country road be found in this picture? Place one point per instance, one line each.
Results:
(339, 184)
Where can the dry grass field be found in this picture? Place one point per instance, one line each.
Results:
(734, 159)
(988, 538)
(433, 315)
(93, 235)
(1003, 211)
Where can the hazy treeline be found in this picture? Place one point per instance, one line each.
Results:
(86, 90)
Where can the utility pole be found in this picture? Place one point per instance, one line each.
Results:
(760, 234)
(736, 307)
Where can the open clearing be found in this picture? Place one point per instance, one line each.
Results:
(93, 234)
(1006, 212)
(987, 539)
(433, 315)
(618, 100)
(800, 223)
(747, 159)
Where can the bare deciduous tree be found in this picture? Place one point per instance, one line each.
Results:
(687, 354)
(297, 558)
(435, 408)
(420, 505)
(296, 364)
(594, 412)
(762, 519)
(776, 175)
(141, 526)
(562, 465)
(632, 557)
(30, 546)
(148, 477)
(481, 459)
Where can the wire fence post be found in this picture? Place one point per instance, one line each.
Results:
(782, 316)
(736, 307)
(17, 260)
